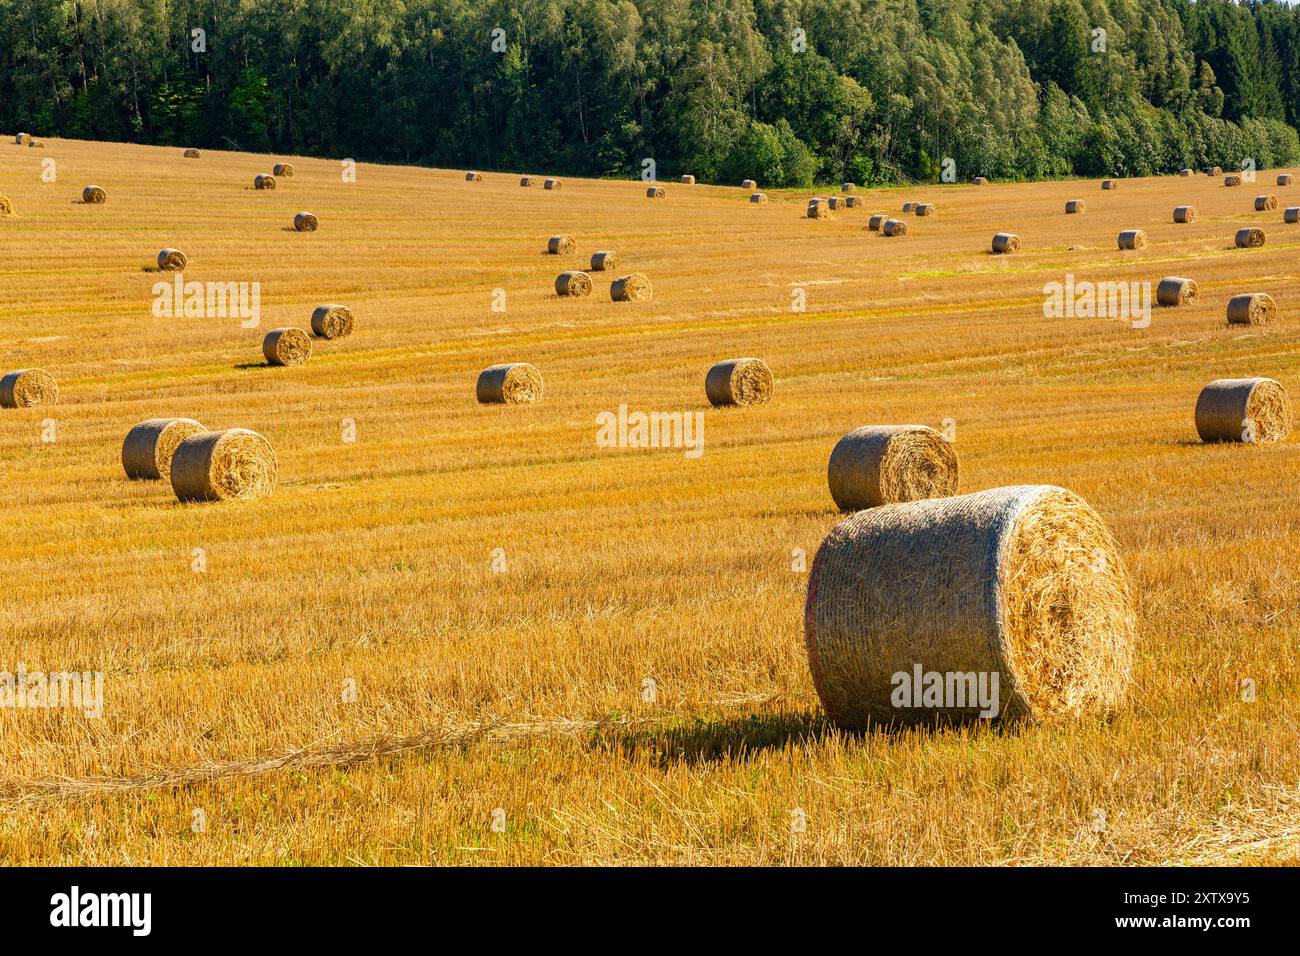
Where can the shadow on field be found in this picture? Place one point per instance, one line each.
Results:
(705, 741)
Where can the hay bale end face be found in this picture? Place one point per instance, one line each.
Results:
(1175, 291)
(739, 381)
(27, 388)
(514, 383)
(235, 464)
(818, 209)
(1232, 180)
(552, 184)
(893, 228)
(1291, 216)
(925, 209)
(305, 222)
(748, 184)
(263, 181)
(286, 347)
(885, 464)
(561, 245)
(282, 169)
(1265, 203)
(656, 192)
(877, 222)
(172, 260)
(574, 284)
(1185, 214)
(1110, 184)
(1251, 308)
(1132, 239)
(1246, 410)
(6, 206)
(688, 180)
(1251, 237)
(634, 287)
(473, 177)
(191, 153)
(1284, 179)
(332, 322)
(148, 448)
(758, 197)
(1076, 206)
(604, 260)
(1023, 582)
(94, 196)
(1005, 243)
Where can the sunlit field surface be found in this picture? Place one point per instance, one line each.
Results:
(360, 676)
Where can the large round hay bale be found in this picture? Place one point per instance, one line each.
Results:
(27, 388)
(1265, 203)
(221, 466)
(1110, 184)
(1175, 290)
(883, 464)
(758, 197)
(6, 206)
(656, 192)
(1284, 179)
(561, 245)
(22, 139)
(877, 222)
(526, 181)
(748, 184)
(1184, 214)
(848, 187)
(604, 260)
(1251, 308)
(263, 181)
(190, 153)
(282, 169)
(688, 180)
(286, 346)
(1249, 410)
(634, 287)
(1249, 238)
(513, 383)
(979, 181)
(574, 284)
(148, 448)
(332, 322)
(739, 381)
(893, 227)
(1076, 206)
(1132, 239)
(818, 209)
(172, 260)
(925, 209)
(1025, 583)
(552, 184)
(305, 222)
(1005, 243)
(94, 196)
(473, 177)
(1291, 215)
(852, 202)
(1232, 180)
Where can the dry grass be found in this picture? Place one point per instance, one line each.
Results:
(523, 689)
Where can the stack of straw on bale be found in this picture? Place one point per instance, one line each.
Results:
(634, 287)
(656, 192)
(525, 181)
(1076, 206)
(263, 181)
(27, 388)
(1005, 243)
(1232, 180)
(1292, 215)
(758, 197)
(574, 284)
(191, 153)
(286, 346)
(884, 464)
(748, 184)
(1174, 290)
(172, 260)
(148, 449)
(305, 222)
(93, 196)
(22, 139)
(1132, 239)
(473, 177)
(1251, 308)
(1284, 179)
(818, 209)
(925, 209)
(224, 465)
(1023, 582)
(893, 227)
(603, 260)
(1265, 203)
(513, 383)
(1249, 410)
(561, 245)
(6, 206)
(1109, 184)
(688, 180)
(332, 322)
(282, 169)
(979, 181)
(1249, 238)
(552, 184)
(738, 381)
(877, 222)
(1184, 214)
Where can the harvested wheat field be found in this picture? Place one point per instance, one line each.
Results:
(468, 633)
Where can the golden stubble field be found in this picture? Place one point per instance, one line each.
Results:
(516, 697)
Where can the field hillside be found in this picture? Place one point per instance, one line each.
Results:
(468, 634)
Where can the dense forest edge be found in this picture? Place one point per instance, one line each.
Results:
(873, 91)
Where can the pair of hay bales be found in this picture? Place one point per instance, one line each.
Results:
(233, 464)
(512, 383)
(846, 202)
(305, 222)
(739, 381)
(1245, 410)
(28, 388)
(93, 196)
(633, 287)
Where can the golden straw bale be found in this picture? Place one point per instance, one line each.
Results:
(305, 222)
(286, 346)
(263, 181)
(739, 381)
(574, 284)
(604, 260)
(1132, 239)
(1247, 410)
(94, 196)
(148, 448)
(1251, 237)
(27, 388)
(893, 228)
(172, 260)
(1005, 243)
(883, 464)
(561, 245)
(282, 169)
(332, 322)
(1184, 214)
(1174, 290)
(1075, 206)
(513, 383)
(234, 464)
(1251, 308)
(1265, 203)
(634, 287)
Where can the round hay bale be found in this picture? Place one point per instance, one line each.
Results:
(1232, 180)
(818, 209)
(1251, 308)
(758, 197)
(884, 464)
(852, 202)
(552, 184)
(1184, 214)
(172, 260)
(1023, 582)
(1214, 171)
(688, 180)
(526, 181)
(305, 222)
(909, 206)
(1290, 216)
(925, 209)
(893, 227)
(561, 245)
(575, 284)
(604, 260)
(1005, 243)
(1110, 184)
(27, 388)
(1132, 239)
(282, 169)
(332, 322)
(36, 144)
(979, 181)
(1265, 203)
(1174, 291)
(148, 448)
(1247, 410)
(634, 287)
(513, 383)
(1251, 237)
(22, 139)
(1184, 172)
(748, 184)
(739, 381)
(263, 181)
(877, 222)
(833, 202)
(656, 192)
(234, 464)
(94, 196)
(1284, 179)
(6, 206)
(1076, 206)
(286, 347)
(848, 187)
(190, 153)
(473, 177)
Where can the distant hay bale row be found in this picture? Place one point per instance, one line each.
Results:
(739, 381)
(818, 209)
(1249, 410)
(561, 245)
(172, 260)
(6, 206)
(1076, 206)
(27, 388)
(757, 197)
(93, 196)
(149, 447)
(1232, 180)
(573, 284)
(1110, 184)
(1132, 239)
(1175, 291)
(1292, 215)
(1265, 203)
(688, 180)
(332, 322)
(748, 184)
(1251, 308)
(883, 464)
(513, 383)
(1185, 214)
(893, 228)
(634, 287)
(1250, 237)
(282, 169)
(263, 181)
(287, 346)
(1005, 243)
(190, 153)
(604, 260)
(234, 464)
(473, 177)
(552, 184)
(656, 192)
(1023, 582)
(305, 222)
